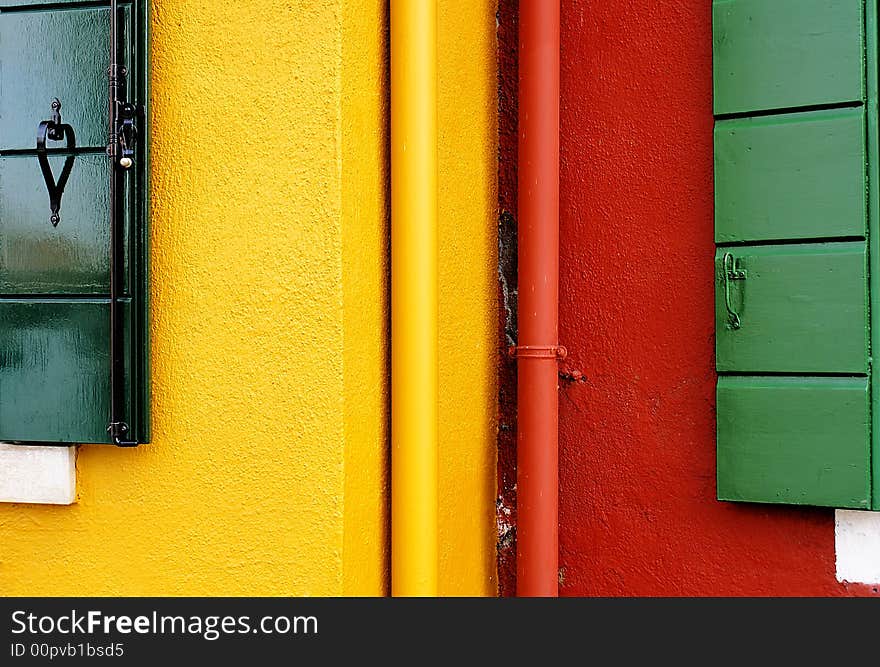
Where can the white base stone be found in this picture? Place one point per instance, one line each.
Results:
(857, 546)
(39, 475)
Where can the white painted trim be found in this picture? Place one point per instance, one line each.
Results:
(857, 546)
(37, 474)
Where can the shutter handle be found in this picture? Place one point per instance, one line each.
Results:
(731, 270)
(127, 134)
(55, 130)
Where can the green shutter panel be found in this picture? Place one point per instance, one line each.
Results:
(55, 280)
(790, 176)
(795, 440)
(795, 228)
(802, 309)
(778, 54)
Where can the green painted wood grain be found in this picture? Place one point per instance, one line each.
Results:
(72, 258)
(48, 54)
(803, 309)
(55, 370)
(790, 176)
(794, 440)
(776, 54)
(40, 3)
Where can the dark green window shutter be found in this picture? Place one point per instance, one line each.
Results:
(55, 280)
(796, 228)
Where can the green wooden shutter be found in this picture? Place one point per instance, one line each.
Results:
(796, 229)
(54, 281)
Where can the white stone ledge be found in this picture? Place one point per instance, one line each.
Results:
(37, 474)
(857, 546)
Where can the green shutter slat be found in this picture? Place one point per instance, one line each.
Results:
(39, 258)
(790, 176)
(803, 309)
(72, 68)
(23, 3)
(54, 380)
(776, 54)
(794, 440)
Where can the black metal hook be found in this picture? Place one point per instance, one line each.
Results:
(56, 131)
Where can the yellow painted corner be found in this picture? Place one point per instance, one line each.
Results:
(468, 295)
(365, 270)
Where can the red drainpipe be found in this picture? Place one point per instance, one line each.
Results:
(538, 350)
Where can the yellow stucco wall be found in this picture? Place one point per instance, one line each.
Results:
(267, 474)
(467, 101)
(366, 555)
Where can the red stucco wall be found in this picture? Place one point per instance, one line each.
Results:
(638, 514)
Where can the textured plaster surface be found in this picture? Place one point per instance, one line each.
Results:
(467, 198)
(364, 179)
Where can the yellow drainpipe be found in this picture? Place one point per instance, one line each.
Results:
(414, 328)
